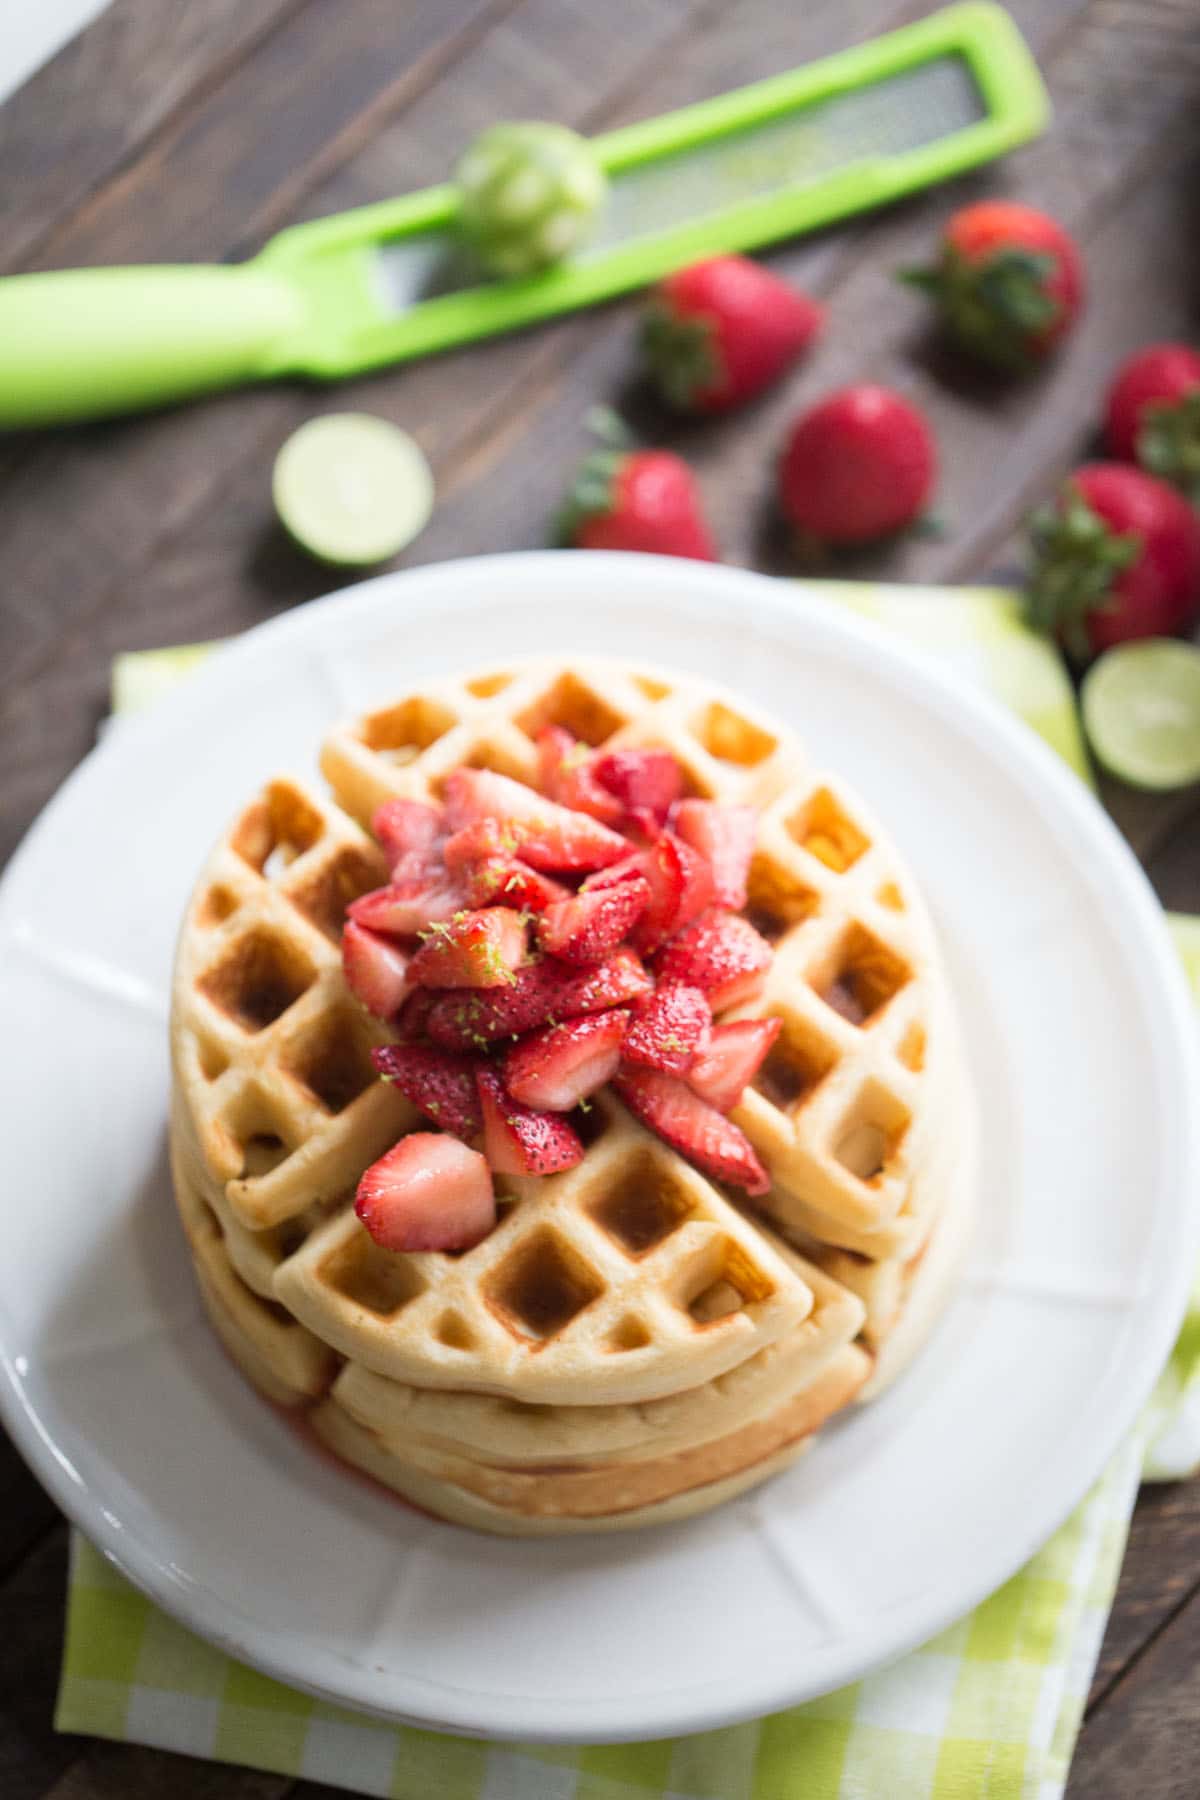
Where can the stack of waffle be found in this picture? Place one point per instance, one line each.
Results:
(629, 1344)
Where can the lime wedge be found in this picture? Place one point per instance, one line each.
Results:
(352, 489)
(1141, 710)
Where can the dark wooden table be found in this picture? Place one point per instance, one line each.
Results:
(171, 132)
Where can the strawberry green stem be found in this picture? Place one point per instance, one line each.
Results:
(1077, 559)
(1168, 443)
(996, 306)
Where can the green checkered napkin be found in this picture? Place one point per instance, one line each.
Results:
(987, 1711)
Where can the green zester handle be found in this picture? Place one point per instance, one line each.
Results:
(88, 343)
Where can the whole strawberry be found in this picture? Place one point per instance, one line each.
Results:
(1152, 414)
(1008, 281)
(860, 465)
(626, 499)
(721, 331)
(1116, 557)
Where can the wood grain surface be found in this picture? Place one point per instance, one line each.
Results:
(195, 132)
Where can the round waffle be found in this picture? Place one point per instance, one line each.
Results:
(627, 1343)
(339, 1433)
(545, 1494)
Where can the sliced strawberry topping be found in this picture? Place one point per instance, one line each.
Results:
(467, 878)
(724, 837)
(628, 869)
(409, 1023)
(441, 1084)
(541, 832)
(430, 1192)
(473, 949)
(721, 953)
(644, 781)
(586, 926)
(614, 982)
(542, 990)
(713, 1143)
(669, 1028)
(558, 1067)
(478, 842)
(409, 905)
(507, 881)
(375, 969)
(484, 854)
(519, 1141)
(731, 1059)
(566, 770)
(472, 1021)
(568, 842)
(681, 886)
(406, 828)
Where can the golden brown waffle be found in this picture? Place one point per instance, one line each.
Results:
(838, 1114)
(630, 1276)
(348, 1440)
(271, 1053)
(646, 1462)
(288, 1364)
(604, 1489)
(504, 1431)
(944, 1186)
(490, 720)
(890, 1307)
(623, 1279)
(624, 1318)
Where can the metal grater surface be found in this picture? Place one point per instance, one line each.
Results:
(902, 112)
(916, 107)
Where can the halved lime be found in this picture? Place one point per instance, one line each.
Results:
(1141, 710)
(352, 489)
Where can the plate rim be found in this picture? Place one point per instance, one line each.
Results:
(1035, 769)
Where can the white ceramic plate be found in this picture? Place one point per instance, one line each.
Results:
(906, 1514)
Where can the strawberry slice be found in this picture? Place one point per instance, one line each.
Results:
(410, 905)
(628, 869)
(566, 771)
(614, 982)
(471, 1021)
(585, 927)
(409, 1023)
(681, 886)
(724, 837)
(472, 949)
(568, 842)
(441, 1084)
(646, 782)
(543, 990)
(542, 833)
(474, 794)
(406, 828)
(558, 1067)
(731, 1059)
(711, 1143)
(721, 953)
(507, 881)
(519, 1141)
(429, 1192)
(376, 970)
(483, 857)
(478, 842)
(669, 1028)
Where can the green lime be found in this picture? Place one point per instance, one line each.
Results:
(1141, 710)
(529, 194)
(1185, 929)
(352, 489)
